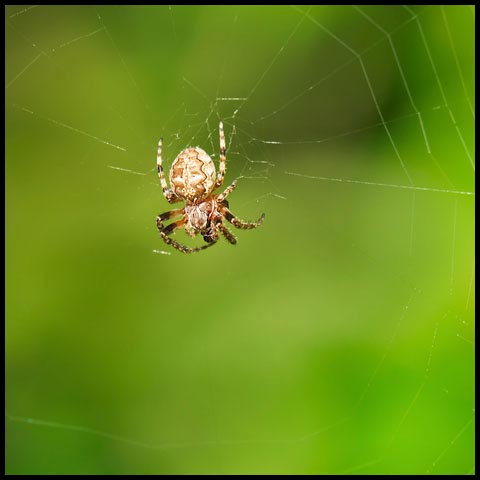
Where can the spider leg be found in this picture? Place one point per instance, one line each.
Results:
(236, 222)
(168, 230)
(223, 160)
(227, 191)
(167, 192)
(227, 233)
(168, 215)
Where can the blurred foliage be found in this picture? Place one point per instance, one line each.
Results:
(338, 337)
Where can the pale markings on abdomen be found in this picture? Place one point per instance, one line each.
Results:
(193, 173)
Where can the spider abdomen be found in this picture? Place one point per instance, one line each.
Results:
(192, 174)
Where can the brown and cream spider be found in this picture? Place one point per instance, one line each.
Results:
(193, 179)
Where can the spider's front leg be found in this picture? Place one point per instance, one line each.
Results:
(169, 229)
(211, 236)
(167, 192)
(227, 233)
(236, 222)
(167, 216)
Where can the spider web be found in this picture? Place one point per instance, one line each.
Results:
(336, 338)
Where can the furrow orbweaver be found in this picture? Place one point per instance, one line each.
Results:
(193, 179)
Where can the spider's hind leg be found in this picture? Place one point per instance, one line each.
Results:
(167, 192)
(221, 198)
(223, 159)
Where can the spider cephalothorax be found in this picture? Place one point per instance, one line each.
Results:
(193, 179)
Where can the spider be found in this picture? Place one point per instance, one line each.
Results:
(193, 179)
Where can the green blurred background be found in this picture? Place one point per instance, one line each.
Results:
(336, 338)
